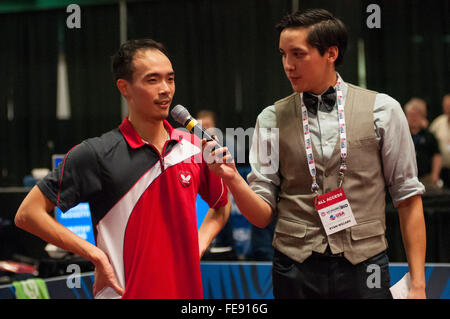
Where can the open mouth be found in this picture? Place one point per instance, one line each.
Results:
(164, 103)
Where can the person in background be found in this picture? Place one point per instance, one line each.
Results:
(222, 247)
(428, 157)
(440, 127)
(207, 119)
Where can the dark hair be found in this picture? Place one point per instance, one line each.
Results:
(326, 30)
(122, 61)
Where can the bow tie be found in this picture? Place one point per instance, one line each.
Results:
(328, 99)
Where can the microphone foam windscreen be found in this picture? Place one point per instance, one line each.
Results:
(180, 114)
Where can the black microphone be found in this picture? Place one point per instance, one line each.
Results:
(182, 116)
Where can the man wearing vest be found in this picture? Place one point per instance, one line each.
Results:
(339, 147)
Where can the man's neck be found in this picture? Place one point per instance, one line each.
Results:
(329, 80)
(150, 131)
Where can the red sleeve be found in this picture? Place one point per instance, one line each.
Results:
(212, 188)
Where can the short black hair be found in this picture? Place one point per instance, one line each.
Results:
(326, 30)
(122, 61)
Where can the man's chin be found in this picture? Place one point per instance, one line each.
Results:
(165, 113)
(163, 116)
(297, 88)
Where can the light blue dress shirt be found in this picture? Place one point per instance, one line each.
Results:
(393, 136)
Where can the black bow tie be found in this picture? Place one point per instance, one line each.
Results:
(328, 100)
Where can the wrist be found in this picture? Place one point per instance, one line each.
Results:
(233, 179)
(97, 256)
(418, 284)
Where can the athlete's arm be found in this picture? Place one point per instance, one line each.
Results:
(214, 221)
(33, 217)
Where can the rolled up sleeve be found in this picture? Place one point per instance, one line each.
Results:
(264, 180)
(397, 150)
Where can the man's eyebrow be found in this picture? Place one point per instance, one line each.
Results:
(295, 49)
(148, 75)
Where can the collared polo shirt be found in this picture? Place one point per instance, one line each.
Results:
(143, 207)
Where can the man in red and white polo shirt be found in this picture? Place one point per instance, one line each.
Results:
(141, 181)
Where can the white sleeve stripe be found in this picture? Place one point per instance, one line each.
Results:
(220, 196)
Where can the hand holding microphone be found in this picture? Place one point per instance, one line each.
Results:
(215, 152)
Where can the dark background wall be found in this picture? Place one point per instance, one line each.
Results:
(225, 54)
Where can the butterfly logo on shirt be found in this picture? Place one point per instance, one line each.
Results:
(185, 178)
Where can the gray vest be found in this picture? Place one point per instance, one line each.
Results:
(299, 230)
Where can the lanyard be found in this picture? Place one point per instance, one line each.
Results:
(342, 141)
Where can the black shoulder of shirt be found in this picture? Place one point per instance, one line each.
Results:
(78, 161)
(105, 143)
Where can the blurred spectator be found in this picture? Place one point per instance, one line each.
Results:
(429, 160)
(238, 239)
(222, 247)
(207, 119)
(441, 129)
(236, 145)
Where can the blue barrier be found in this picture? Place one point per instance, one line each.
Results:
(240, 280)
(237, 280)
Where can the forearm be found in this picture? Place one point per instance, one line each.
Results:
(412, 226)
(33, 217)
(254, 208)
(213, 222)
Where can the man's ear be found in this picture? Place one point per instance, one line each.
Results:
(333, 53)
(122, 85)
